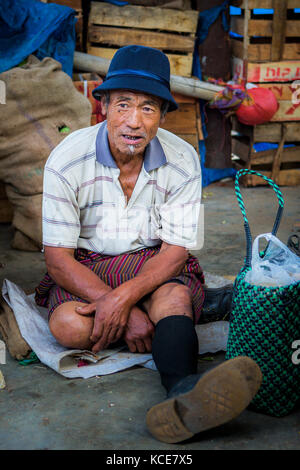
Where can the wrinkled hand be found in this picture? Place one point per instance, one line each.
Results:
(111, 315)
(139, 331)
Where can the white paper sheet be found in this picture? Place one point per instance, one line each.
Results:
(33, 324)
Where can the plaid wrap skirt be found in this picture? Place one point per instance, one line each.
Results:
(114, 271)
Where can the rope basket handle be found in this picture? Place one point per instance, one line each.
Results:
(239, 174)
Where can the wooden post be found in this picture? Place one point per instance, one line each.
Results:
(183, 85)
(279, 28)
(246, 41)
(278, 155)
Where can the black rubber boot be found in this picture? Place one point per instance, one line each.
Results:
(293, 243)
(201, 402)
(217, 304)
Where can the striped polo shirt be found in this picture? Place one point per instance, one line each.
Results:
(84, 205)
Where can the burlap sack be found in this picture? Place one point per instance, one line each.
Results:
(40, 100)
(10, 332)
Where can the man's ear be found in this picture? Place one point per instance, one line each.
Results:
(103, 105)
(162, 120)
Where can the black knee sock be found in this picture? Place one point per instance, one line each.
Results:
(175, 349)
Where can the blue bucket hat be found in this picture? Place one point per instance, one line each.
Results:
(139, 68)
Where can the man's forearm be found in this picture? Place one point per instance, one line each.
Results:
(76, 278)
(167, 263)
(84, 283)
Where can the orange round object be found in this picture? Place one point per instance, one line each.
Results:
(258, 107)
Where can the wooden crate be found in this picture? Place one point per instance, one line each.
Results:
(75, 4)
(6, 209)
(282, 164)
(185, 122)
(177, 4)
(272, 37)
(288, 97)
(268, 72)
(171, 31)
(283, 78)
(86, 86)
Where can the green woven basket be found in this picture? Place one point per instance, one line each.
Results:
(265, 325)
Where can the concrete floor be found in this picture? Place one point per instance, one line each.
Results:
(39, 409)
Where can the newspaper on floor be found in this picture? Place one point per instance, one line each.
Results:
(33, 324)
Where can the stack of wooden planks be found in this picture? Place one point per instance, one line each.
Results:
(268, 54)
(267, 37)
(281, 161)
(185, 122)
(172, 31)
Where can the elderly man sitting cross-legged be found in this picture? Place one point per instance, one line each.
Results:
(120, 211)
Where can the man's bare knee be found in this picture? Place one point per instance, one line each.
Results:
(170, 299)
(69, 328)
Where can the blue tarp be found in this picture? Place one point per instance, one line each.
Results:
(32, 27)
(257, 11)
(261, 146)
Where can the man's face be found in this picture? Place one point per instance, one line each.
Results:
(132, 121)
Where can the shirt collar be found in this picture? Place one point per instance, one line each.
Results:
(154, 154)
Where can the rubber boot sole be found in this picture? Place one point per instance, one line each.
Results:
(218, 397)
